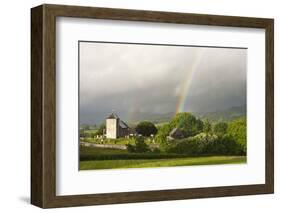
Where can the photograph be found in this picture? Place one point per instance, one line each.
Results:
(140, 105)
(161, 105)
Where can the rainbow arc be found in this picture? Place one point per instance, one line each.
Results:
(187, 81)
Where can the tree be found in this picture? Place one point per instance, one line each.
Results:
(199, 125)
(238, 129)
(146, 128)
(162, 133)
(207, 127)
(139, 147)
(187, 123)
(220, 128)
(101, 129)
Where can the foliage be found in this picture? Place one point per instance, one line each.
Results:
(85, 133)
(101, 129)
(223, 145)
(205, 144)
(220, 128)
(139, 147)
(207, 127)
(163, 132)
(200, 138)
(238, 130)
(146, 128)
(97, 153)
(187, 123)
(185, 146)
(223, 139)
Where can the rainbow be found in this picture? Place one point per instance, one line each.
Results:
(187, 80)
(184, 85)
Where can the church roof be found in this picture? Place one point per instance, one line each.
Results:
(123, 124)
(113, 116)
(176, 133)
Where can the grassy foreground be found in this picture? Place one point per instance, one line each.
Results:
(142, 163)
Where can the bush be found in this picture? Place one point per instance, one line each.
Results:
(220, 128)
(238, 130)
(162, 133)
(155, 150)
(146, 128)
(205, 144)
(187, 123)
(131, 148)
(207, 127)
(139, 147)
(223, 145)
(101, 129)
(186, 146)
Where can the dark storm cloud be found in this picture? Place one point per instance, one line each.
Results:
(150, 79)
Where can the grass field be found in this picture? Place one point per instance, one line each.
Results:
(119, 141)
(135, 160)
(187, 161)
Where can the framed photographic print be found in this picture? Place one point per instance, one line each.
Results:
(136, 106)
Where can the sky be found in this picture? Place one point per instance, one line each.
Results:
(139, 79)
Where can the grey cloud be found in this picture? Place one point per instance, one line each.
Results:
(149, 78)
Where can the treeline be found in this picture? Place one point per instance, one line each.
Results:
(198, 137)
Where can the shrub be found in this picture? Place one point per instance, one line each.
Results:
(238, 130)
(155, 150)
(220, 128)
(207, 127)
(186, 146)
(146, 128)
(139, 147)
(187, 123)
(162, 133)
(101, 129)
(131, 148)
(222, 145)
(205, 144)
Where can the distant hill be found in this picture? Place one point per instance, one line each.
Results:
(224, 115)
(153, 117)
(157, 118)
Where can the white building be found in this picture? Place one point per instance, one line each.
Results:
(115, 127)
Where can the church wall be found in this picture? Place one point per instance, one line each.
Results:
(111, 128)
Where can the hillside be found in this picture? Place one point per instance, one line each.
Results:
(224, 115)
(157, 118)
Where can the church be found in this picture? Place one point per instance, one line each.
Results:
(115, 127)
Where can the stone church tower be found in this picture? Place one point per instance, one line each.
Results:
(115, 127)
(112, 126)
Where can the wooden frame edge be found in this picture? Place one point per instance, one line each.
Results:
(269, 120)
(36, 106)
(43, 102)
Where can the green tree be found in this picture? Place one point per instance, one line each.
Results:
(199, 125)
(101, 129)
(187, 123)
(220, 128)
(146, 128)
(238, 129)
(207, 127)
(82, 133)
(163, 132)
(139, 147)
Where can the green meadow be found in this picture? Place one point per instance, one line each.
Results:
(122, 159)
